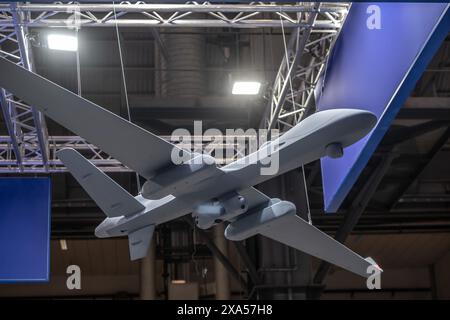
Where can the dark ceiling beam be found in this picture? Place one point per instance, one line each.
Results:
(431, 81)
(427, 102)
(397, 136)
(146, 107)
(425, 108)
(408, 158)
(151, 101)
(419, 114)
(194, 113)
(432, 154)
(357, 207)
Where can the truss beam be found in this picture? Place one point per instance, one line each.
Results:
(26, 126)
(292, 93)
(233, 148)
(191, 14)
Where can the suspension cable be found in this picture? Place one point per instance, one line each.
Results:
(124, 81)
(78, 66)
(76, 17)
(293, 103)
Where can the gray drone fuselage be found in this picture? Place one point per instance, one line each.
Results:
(302, 144)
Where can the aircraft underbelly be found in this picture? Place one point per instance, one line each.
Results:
(206, 190)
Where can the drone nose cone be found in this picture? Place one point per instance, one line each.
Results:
(354, 122)
(366, 118)
(363, 117)
(363, 121)
(346, 126)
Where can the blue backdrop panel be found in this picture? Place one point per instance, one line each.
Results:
(376, 69)
(25, 206)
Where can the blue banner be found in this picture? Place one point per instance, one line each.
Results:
(381, 52)
(25, 205)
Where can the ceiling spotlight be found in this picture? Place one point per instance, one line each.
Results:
(62, 42)
(246, 87)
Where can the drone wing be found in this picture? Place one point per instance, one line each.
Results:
(109, 196)
(135, 147)
(297, 233)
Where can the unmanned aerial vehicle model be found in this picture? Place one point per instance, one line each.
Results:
(196, 186)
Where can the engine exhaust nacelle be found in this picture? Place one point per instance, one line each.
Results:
(223, 209)
(258, 221)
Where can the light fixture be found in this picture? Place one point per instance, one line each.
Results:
(246, 87)
(178, 281)
(62, 42)
(63, 244)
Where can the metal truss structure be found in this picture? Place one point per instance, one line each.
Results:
(230, 148)
(28, 148)
(191, 14)
(306, 55)
(26, 127)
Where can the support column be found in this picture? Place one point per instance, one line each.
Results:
(221, 275)
(441, 277)
(148, 281)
